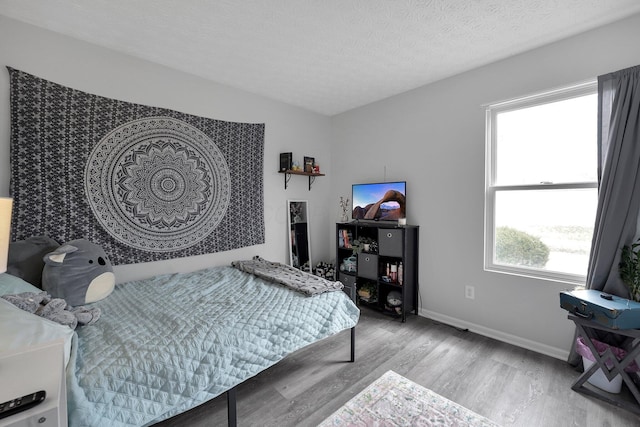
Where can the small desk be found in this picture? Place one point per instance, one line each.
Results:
(586, 329)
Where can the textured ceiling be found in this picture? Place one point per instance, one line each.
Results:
(327, 56)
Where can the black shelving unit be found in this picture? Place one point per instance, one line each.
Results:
(388, 264)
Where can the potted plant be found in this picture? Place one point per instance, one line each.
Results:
(362, 244)
(368, 292)
(630, 269)
(356, 246)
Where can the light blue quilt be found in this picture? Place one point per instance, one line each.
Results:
(167, 344)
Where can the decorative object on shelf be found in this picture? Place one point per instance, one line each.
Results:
(344, 205)
(394, 273)
(394, 302)
(364, 244)
(349, 264)
(286, 161)
(630, 269)
(295, 166)
(316, 168)
(368, 292)
(309, 162)
(325, 270)
(356, 246)
(345, 239)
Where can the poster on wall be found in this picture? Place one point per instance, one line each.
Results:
(146, 183)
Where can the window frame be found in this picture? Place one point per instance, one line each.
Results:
(491, 188)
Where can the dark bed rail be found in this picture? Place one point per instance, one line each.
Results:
(231, 407)
(232, 415)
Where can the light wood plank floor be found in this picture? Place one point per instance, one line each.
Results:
(509, 385)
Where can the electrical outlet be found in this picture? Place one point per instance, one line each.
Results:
(470, 292)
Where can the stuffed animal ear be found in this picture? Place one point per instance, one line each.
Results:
(57, 257)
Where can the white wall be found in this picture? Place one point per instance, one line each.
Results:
(104, 72)
(434, 138)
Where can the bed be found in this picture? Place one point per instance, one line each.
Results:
(167, 344)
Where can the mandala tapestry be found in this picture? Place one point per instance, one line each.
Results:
(146, 183)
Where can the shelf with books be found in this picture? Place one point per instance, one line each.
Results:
(345, 238)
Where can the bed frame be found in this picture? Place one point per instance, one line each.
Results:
(232, 415)
(192, 292)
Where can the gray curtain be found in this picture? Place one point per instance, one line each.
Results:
(618, 175)
(618, 183)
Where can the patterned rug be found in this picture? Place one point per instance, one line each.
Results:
(393, 400)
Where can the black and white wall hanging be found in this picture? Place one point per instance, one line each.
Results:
(146, 183)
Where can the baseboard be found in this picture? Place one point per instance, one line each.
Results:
(497, 335)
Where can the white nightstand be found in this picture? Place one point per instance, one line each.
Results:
(31, 369)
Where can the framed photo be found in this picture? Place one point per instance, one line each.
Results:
(286, 161)
(309, 163)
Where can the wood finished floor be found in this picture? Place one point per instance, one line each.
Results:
(509, 385)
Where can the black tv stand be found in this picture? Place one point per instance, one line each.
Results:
(363, 271)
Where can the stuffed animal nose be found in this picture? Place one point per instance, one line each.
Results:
(101, 261)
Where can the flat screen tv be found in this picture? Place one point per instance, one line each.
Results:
(381, 201)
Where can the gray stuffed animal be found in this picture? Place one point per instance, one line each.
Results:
(79, 272)
(55, 309)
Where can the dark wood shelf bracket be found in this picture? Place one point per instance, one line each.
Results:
(288, 173)
(287, 178)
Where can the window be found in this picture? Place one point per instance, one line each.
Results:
(541, 183)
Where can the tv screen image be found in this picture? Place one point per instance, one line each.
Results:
(383, 201)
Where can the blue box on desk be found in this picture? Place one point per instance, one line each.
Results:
(599, 307)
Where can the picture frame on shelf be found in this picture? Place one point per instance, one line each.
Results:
(309, 163)
(286, 161)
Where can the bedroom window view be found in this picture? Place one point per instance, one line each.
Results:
(542, 184)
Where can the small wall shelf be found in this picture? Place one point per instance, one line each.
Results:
(287, 176)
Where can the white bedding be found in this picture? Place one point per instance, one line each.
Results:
(167, 344)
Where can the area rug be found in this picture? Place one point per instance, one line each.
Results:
(393, 400)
